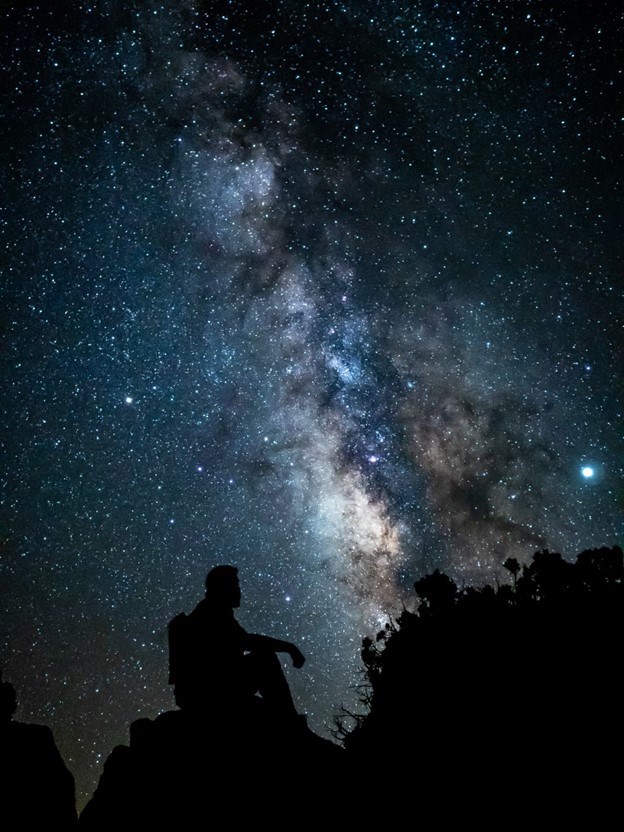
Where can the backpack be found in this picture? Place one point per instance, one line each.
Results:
(179, 644)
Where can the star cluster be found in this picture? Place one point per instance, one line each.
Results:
(331, 291)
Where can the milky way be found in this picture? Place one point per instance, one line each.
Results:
(331, 291)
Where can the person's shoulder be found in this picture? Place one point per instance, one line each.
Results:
(201, 610)
(205, 611)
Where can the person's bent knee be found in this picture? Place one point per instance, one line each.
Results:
(265, 658)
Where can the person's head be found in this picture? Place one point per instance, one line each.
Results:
(222, 586)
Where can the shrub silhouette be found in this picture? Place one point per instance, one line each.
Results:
(487, 686)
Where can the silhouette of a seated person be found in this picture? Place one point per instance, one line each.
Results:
(216, 664)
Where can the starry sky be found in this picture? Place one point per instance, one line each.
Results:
(328, 290)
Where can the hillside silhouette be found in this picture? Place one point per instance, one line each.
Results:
(181, 770)
(508, 689)
(501, 701)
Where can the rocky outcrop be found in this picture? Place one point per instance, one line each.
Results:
(240, 765)
(37, 788)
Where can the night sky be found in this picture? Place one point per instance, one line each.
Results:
(331, 291)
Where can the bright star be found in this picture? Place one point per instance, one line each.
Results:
(587, 472)
(129, 399)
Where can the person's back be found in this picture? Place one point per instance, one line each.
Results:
(210, 651)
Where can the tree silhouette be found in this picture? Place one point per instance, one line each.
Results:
(510, 684)
(512, 565)
(437, 593)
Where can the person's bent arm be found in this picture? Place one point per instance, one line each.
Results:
(257, 642)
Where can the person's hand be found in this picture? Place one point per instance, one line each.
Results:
(297, 656)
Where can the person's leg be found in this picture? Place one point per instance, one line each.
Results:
(267, 677)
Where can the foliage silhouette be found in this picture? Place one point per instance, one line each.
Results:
(487, 686)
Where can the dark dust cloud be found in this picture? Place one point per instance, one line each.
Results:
(331, 291)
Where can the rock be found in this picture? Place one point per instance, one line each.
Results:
(240, 764)
(37, 788)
